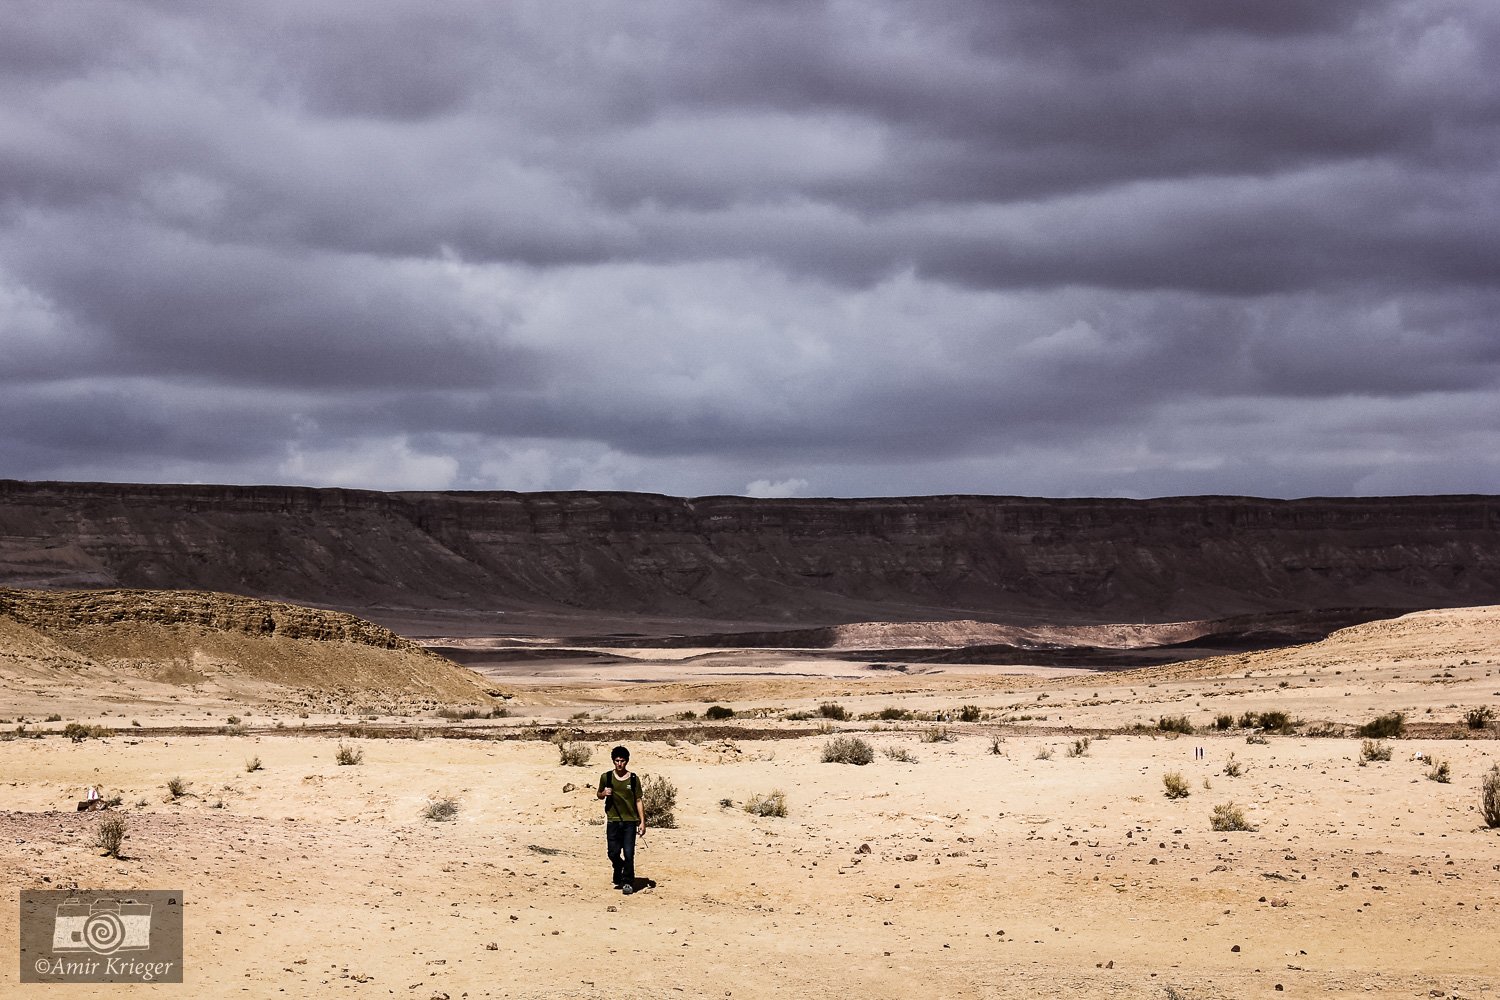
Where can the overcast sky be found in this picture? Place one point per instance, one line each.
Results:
(779, 248)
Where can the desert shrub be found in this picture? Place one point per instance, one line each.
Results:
(1080, 747)
(893, 714)
(772, 804)
(234, 730)
(902, 754)
(78, 731)
(1175, 724)
(1375, 750)
(847, 750)
(1043, 753)
(54, 718)
(1250, 720)
(726, 803)
(659, 797)
(1489, 797)
(1229, 817)
(574, 754)
(1175, 784)
(1276, 722)
(1257, 739)
(1232, 767)
(176, 787)
(1223, 722)
(1441, 773)
(252, 765)
(440, 809)
(348, 756)
(233, 720)
(936, 734)
(718, 712)
(1391, 725)
(833, 710)
(970, 713)
(1479, 718)
(109, 835)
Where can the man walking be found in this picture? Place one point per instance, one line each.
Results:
(624, 817)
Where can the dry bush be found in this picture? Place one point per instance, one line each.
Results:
(1222, 722)
(659, 798)
(1441, 773)
(440, 809)
(833, 710)
(1080, 747)
(773, 804)
(1175, 724)
(1489, 797)
(893, 715)
(78, 731)
(176, 787)
(847, 750)
(1375, 750)
(1391, 725)
(902, 754)
(997, 745)
(109, 835)
(574, 754)
(937, 734)
(970, 713)
(717, 712)
(1232, 767)
(348, 756)
(252, 765)
(1479, 718)
(1043, 753)
(1229, 817)
(1175, 784)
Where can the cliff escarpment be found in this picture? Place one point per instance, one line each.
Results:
(818, 561)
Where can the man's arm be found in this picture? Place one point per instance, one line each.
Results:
(603, 792)
(640, 808)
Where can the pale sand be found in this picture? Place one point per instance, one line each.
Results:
(312, 876)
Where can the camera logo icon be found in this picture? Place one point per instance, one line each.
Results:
(103, 927)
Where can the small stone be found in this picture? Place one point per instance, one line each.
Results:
(1236, 948)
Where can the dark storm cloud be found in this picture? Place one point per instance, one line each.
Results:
(959, 246)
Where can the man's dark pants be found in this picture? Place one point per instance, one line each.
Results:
(620, 837)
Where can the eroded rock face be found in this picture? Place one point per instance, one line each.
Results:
(806, 561)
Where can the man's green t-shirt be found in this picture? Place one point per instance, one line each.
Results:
(620, 805)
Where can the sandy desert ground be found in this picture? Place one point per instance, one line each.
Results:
(976, 869)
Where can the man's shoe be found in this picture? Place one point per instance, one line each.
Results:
(627, 888)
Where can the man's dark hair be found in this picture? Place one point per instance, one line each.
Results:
(619, 752)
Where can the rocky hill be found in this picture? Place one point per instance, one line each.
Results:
(141, 645)
(776, 562)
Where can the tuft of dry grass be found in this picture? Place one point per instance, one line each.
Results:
(847, 750)
(1229, 817)
(902, 754)
(110, 835)
(574, 754)
(1080, 747)
(1232, 767)
(348, 756)
(772, 804)
(659, 797)
(176, 787)
(440, 809)
(1489, 797)
(1441, 773)
(1375, 750)
(1175, 784)
(252, 765)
